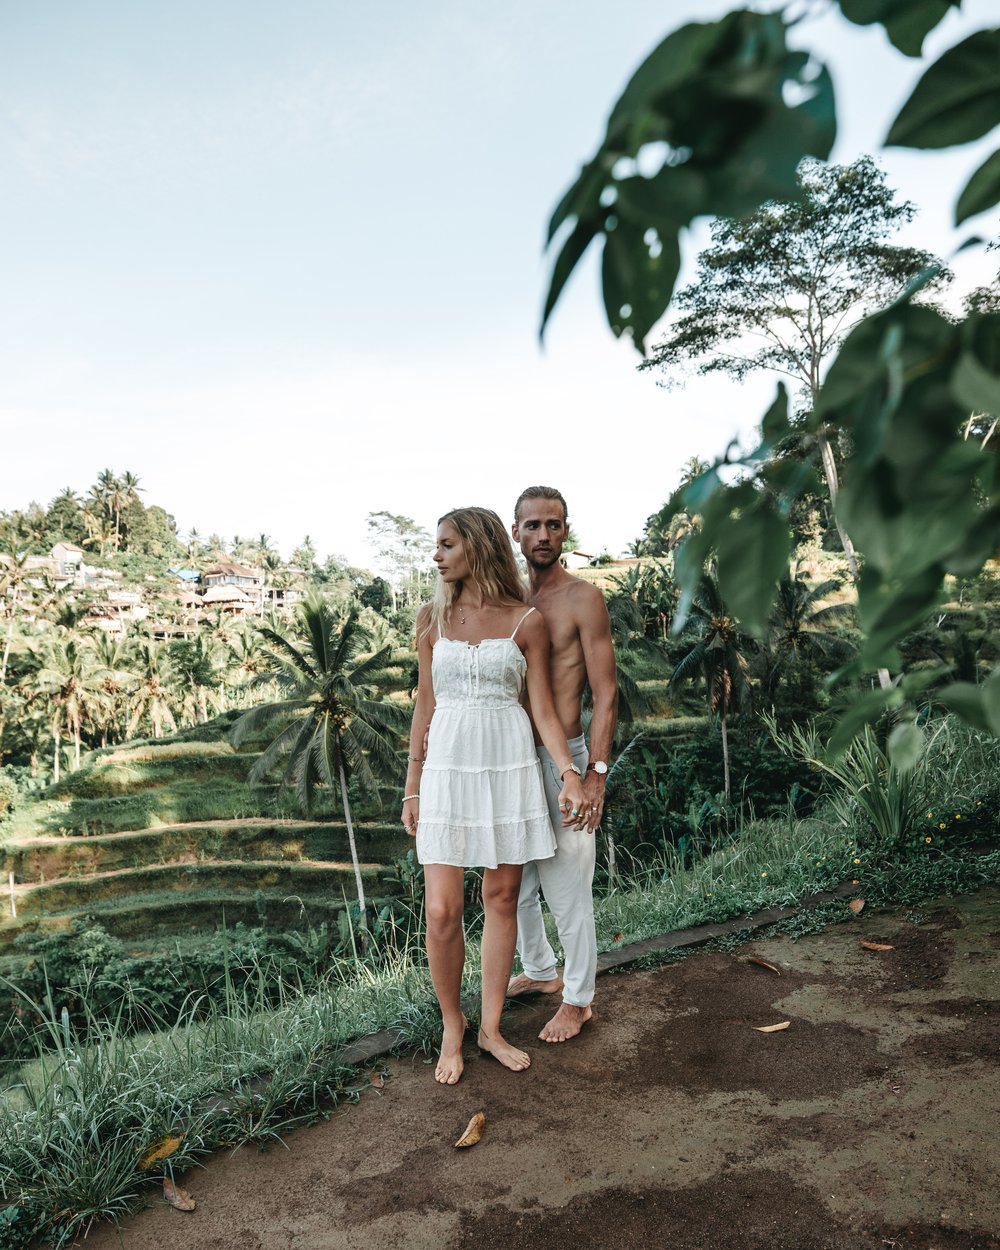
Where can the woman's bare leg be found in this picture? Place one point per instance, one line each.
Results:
(445, 889)
(500, 890)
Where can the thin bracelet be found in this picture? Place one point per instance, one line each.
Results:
(416, 759)
(407, 797)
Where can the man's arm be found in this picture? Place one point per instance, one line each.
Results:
(599, 657)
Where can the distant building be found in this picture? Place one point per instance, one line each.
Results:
(67, 558)
(576, 560)
(228, 574)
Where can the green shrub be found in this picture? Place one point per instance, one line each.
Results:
(8, 796)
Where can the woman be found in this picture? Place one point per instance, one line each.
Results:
(477, 798)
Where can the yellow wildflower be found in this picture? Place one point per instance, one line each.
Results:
(928, 839)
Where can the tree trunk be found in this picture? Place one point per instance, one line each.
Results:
(76, 748)
(354, 858)
(833, 486)
(55, 755)
(725, 755)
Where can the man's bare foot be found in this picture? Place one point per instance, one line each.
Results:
(450, 1064)
(523, 984)
(504, 1053)
(566, 1023)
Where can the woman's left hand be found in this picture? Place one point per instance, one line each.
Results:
(572, 802)
(410, 815)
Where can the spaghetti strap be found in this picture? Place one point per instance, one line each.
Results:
(522, 620)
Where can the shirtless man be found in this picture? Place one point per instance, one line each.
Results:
(581, 651)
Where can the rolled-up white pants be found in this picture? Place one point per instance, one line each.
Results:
(567, 882)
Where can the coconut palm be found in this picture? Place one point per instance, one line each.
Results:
(66, 677)
(799, 626)
(333, 725)
(195, 662)
(13, 581)
(151, 695)
(115, 680)
(720, 655)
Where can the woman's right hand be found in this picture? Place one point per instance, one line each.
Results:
(410, 815)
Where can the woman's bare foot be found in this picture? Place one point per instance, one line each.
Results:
(450, 1064)
(523, 984)
(504, 1053)
(566, 1023)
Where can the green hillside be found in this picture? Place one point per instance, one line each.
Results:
(169, 838)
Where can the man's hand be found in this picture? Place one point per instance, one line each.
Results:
(593, 792)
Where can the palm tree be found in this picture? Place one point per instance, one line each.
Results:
(151, 667)
(720, 656)
(66, 676)
(195, 661)
(798, 629)
(339, 726)
(115, 680)
(13, 579)
(127, 494)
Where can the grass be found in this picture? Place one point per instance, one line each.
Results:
(76, 1121)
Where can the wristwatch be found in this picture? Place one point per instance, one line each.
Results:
(570, 768)
(597, 766)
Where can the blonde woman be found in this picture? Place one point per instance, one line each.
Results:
(477, 799)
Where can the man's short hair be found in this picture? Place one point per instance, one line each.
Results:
(540, 492)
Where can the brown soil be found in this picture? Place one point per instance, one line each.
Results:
(870, 1122)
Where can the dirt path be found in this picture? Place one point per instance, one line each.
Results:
(871, 1122)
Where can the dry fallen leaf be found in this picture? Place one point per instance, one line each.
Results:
(177, 1197)
(772, 1028)
(618, 937)
(762, 963)
(857, 905)
(473, 1131)
(162, 1148)
(376, 1080)
(876, 946)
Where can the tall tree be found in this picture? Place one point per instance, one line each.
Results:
(720, 655)
(67, 677)
(332, 723)
(779, 290)
(150, 698)
(404, 552)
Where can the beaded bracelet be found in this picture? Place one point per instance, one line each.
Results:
(407, 797)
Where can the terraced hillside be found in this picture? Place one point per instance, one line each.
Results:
(153, 839)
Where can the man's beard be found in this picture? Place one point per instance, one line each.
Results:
(543, 561)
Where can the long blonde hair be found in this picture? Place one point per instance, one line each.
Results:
(492, 567)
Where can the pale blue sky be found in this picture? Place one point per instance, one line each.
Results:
(284, 260)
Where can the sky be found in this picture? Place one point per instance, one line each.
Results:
(284, 261)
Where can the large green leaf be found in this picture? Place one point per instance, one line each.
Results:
(982, 190)
(906, 22)
(572, 250)
(753, 555)
(905, 746)
(975, 387)
(714, 94)
(966, 701)
(637, 279)
(957, 99)
(863, 711)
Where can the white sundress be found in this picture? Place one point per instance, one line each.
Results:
(482, 802)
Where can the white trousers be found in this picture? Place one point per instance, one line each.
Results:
(567, 881)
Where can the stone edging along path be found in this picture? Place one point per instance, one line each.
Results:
(378, 1045)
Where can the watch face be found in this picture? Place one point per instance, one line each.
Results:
(599, 767)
